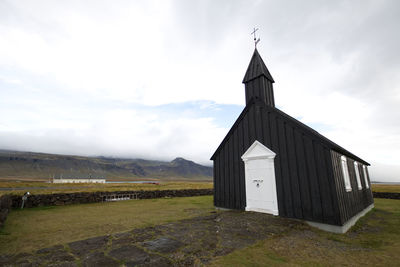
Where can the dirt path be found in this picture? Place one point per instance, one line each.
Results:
(182, 243)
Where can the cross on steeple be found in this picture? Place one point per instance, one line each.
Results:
(255, 38)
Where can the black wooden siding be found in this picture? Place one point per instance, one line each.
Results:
(262, 88)
(303, 166)
(350, 203)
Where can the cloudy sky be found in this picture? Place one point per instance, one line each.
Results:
(161, 79)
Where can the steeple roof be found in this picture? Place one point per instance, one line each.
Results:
(256, 69)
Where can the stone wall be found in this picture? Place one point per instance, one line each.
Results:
(5, 207)
(92, 197)
(386, 195)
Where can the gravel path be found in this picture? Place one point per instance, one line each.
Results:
(181, 243)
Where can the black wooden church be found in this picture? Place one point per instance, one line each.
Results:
(270, 162)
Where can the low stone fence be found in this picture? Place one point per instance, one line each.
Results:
(5, 207)
(93, 197)
(386, 195)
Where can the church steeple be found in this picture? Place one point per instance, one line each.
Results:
(258, 81)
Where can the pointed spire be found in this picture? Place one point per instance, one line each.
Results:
(256, 69)
(258, 82)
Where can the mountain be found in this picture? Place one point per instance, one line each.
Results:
(29, 165)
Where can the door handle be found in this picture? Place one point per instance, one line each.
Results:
(258, 182)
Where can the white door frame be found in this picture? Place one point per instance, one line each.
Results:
(260, 179)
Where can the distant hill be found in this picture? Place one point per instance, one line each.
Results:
(28, 165)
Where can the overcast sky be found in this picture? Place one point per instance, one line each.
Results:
(162, 79)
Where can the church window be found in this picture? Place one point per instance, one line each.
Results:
(365, 176)
(346, 176)
(357, 175)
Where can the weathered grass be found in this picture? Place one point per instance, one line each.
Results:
(386, 188)
(373, 241)
(30, 229)
(71, 188)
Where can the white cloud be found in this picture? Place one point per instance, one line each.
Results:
(73, 73)
(122, 56)
(115, 132)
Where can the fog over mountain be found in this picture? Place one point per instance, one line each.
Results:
(15, 165)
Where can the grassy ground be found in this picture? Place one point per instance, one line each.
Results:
(49, 188)
(30, 229)
(386, 188)
(373, 241)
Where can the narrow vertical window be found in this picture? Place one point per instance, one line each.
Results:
(365, 176)
(357, 175)
(346, 175)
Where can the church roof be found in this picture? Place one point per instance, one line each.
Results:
(256, 69)
(285, 117)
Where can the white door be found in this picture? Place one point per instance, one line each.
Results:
(260, 179)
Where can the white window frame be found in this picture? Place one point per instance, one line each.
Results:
(345, 171)
(357, 175)
(365, 176)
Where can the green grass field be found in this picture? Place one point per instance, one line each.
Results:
(30, 229)
(373, 241)
(49, 188)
